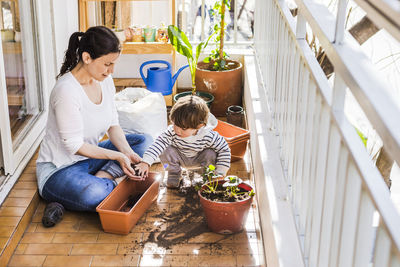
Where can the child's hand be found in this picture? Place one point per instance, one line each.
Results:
(142, 169)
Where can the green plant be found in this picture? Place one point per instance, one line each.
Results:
(232, 190)
(181, 44)
(218, 57)
(231, 183)
(210, 178)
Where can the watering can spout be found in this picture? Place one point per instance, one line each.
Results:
(177, 74)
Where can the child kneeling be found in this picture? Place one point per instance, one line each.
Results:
(189, 142)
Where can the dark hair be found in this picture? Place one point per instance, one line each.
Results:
(97, 41)
(189, 112)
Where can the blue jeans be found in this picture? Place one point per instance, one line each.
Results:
(76, 187)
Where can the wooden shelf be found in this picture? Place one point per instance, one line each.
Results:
(146, 48)
(12, 48)
(129, 82)
(138, 48)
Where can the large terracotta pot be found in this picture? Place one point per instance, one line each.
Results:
(226, 86)
(226, 217)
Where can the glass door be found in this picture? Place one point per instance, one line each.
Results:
(21, 99)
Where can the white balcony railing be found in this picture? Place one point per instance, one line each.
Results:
(335, 191)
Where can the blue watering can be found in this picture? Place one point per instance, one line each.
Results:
(158, 79)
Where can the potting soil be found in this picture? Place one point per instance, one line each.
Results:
(183, 224)
(131, 202)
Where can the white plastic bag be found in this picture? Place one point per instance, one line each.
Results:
(141, 111)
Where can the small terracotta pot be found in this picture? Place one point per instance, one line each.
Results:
(235, 115)
(111, 210)
(226, 86)
(226, 217)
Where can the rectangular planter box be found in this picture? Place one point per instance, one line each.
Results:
(236, 137)
(113, 217)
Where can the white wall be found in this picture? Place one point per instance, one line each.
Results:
(66, 22)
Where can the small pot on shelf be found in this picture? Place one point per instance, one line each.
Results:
(120, 35)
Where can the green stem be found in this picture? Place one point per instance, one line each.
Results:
(221, 41)
(193, 74)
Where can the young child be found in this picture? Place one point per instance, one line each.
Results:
(189, 142)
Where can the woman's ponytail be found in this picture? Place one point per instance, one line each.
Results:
(71, 57)
(97, 41)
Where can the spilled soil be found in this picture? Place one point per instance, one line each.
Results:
(185, 223)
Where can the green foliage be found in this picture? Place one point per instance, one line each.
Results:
(181, 44)
(231, 183)
(210, 179)
(218, 57)
(364, 139)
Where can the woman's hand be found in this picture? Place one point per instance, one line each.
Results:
(125, 163)
(135, 158)
(142, 169)
(118, 138)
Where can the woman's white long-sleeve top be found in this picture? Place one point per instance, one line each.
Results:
(74, 119)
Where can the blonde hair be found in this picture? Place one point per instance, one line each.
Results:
(189, 112)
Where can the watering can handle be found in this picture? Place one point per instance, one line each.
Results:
(152, 62)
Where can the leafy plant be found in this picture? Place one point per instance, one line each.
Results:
(181, 44)
(218, 57)
(231, 184)
(210, 178)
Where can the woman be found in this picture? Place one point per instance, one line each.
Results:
(74, 170)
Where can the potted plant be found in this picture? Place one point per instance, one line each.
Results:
(225, 201)
(181, 44)
(217, 73)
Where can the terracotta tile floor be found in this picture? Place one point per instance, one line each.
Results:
(80, 241)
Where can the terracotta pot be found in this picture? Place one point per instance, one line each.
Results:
(226, 86)
(226, 217)
(114, 216)
(236, 137)
(235, 115)
(205, 95)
